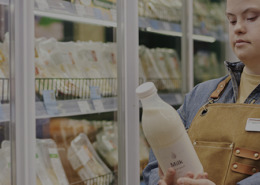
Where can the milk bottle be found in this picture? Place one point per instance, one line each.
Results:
(165, 132)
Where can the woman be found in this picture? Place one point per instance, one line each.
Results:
(222, 114)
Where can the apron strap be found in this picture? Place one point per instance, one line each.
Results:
(221, 86)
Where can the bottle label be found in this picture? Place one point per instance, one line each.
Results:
(181, 156)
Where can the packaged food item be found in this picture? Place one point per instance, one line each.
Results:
(168, 139)
(84, 159)
(107, 145)
(48, 151)
(43, 178)
(64, 130)
(5, 163)
(109, 4)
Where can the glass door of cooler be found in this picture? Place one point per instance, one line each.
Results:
(82, 77)
(5, 128)
(160, 53)
(160, 38)
(211, 46)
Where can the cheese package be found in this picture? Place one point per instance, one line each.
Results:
(84, 159)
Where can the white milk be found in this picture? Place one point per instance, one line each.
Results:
(165, 132)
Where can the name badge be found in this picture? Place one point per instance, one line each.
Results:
(253, 124)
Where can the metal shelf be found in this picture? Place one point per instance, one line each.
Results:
(75, 18)
(72, 107)
(170, 29)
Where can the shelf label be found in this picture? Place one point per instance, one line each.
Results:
(89, 11)
(95, 92)
(98, 104)
(80, 10)
(98, 13)
(43, 4)
(84, 106)
(50, 102)
(154, 24)
(166, 26)
(96, 98)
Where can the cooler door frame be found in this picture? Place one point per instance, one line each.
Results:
(22, 92)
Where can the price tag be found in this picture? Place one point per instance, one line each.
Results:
(113, 13)
(98, 13)
(80, 10)
(154, 24)
(96, 98)
(89, 11)
(166, 26)
(50, 102)
(98, 104)
(43, 4)
(84, 106)
(95, 92)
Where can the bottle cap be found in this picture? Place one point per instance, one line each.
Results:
(145, 89)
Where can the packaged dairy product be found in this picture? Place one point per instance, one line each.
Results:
(166, 134)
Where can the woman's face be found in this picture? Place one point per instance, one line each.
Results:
(244, 29)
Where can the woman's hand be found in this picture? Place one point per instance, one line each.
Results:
(189, 179)
(200, 179)
(168, 178)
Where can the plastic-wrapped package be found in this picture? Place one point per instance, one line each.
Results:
(43, 177)
(84, 159)
(50, 157)
(64, 130)
(5, 168)
(161, 9)
(107, 145)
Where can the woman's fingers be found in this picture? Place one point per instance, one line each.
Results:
(202, 176)
(189, 181)
(190, 175)
(168, 178)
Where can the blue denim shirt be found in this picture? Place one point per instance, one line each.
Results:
(194, 100)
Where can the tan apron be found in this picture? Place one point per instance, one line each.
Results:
(226, 150)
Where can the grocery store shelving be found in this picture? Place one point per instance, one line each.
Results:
(91, 15)
(75, 18)
(64, 10)
(73, 107)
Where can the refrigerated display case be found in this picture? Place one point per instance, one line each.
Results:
(70, 101)
(78, 87)
(72, 111)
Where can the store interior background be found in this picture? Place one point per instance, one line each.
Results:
(160, 62)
